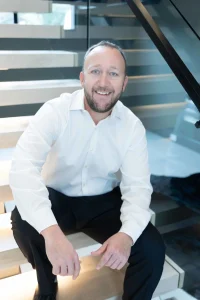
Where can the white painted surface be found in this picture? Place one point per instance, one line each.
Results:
(31, 31)
(37, 6)
(13, 93)
(169, 280)
(37, 59)
(178, 294)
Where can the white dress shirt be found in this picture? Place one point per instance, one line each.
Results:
(62, 148)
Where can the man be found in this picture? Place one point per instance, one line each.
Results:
(95, 179)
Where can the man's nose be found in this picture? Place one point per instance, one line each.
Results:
(103, 80)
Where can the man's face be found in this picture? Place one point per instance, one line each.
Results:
(103, 78)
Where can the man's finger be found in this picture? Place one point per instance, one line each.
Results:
(105, 258)
(115, 264)
(70, 268)
(77, 268)
(112, 259)
(56, 270)
(64, 270)
(100, 250)
(121, 265)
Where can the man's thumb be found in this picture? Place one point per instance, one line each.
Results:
(100, 250)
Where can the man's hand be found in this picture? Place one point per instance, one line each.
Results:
(60, 252)
(116, 251)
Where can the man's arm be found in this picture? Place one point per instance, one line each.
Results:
(28, 188)
(135, 185)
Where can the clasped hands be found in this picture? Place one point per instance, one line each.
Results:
(65, 261)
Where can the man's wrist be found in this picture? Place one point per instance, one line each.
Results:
(129, 237)
(51, 232)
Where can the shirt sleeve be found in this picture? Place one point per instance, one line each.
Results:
(27, 185)
(135, 185)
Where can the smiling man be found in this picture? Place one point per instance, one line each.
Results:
(82, 165)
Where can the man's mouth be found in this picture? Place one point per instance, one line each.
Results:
(103, 93)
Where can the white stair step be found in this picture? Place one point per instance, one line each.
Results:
(5, 163)
(31, 31)
(178, 294)
(107, 283)
(11, 129)
(158, 116)
(11, 257)
(22, 92)
(80, 240)
(37, 59)
(114, 32)
(36, 6)
(2, 208)
(29, 92)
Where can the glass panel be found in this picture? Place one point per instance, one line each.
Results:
(178, 32)
(6, 18)
(155, 95)
(62, 14)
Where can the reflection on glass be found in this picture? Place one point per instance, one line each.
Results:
(6, 18)
(178, 32)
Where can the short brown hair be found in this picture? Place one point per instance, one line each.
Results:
(110, 45)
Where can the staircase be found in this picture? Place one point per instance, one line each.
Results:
(38, 63)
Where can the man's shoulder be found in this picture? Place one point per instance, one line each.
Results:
(125, 113)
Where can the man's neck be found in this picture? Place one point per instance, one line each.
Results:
(96, 117)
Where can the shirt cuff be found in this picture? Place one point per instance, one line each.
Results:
(133, 230)
(44, 218)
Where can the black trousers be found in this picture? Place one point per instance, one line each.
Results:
(98, 217)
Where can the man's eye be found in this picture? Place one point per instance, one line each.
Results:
(113, 74)
(95, 72)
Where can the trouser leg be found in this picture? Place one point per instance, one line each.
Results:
(147, 254)
(32, 244)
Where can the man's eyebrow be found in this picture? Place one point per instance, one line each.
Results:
(95, 66)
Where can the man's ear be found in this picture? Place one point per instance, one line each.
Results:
(125, 83)
(81, 77)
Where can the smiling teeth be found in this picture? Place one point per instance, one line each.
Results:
(101, 93)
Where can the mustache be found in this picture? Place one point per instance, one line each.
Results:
(103, 90)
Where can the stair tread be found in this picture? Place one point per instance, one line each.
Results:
(37, 59)
(14, 124)
(38, 84)
(110, 280)
(7, 242)
(27, 6)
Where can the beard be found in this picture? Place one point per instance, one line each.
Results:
(94, 105)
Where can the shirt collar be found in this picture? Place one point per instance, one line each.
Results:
(78, 104)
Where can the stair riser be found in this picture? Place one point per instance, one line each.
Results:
(69, 44)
